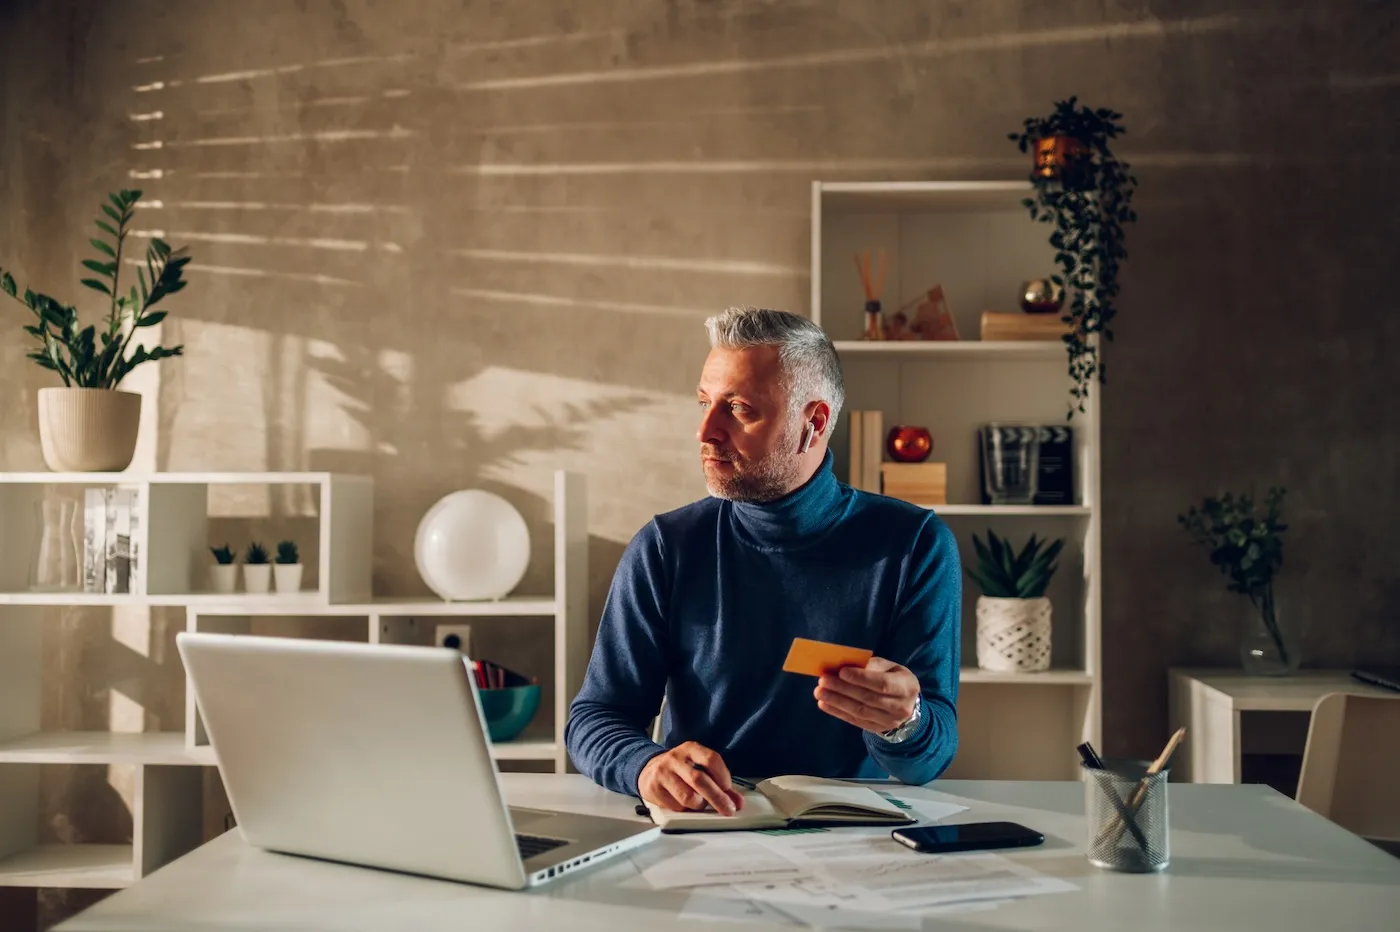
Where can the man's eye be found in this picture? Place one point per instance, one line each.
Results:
(739, 407)
(703, 404)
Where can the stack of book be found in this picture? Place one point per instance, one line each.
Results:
(919, 483)
(111, 522)
(1000, 325)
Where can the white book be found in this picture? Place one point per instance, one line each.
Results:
(134, 546)
(855, 475)
(94, 541)
(119, 541)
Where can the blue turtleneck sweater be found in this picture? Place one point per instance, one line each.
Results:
(705, 604)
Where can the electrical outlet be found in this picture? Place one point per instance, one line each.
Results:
(458, 637)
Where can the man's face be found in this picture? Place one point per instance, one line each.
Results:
(748, 444)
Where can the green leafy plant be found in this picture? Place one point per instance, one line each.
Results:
(1088, 202)
(86, 357)
(1004, 574)
(1247, 547)
(257, 554)
(286, 552)
(222, 555)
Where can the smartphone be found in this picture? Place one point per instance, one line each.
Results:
(971, 836)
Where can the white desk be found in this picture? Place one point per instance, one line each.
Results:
(1228, 714)
(1243, 857)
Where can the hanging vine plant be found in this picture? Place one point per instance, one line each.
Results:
(1086, 192)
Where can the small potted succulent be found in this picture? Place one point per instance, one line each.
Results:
(1013, 614)
(287, 570)
(223, 574)
(257, 572)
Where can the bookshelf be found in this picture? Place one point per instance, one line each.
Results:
(168, 767)
(976, 240)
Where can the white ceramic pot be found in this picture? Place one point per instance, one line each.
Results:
(223, 577)
(288, 578)
(257, 577)
(1013, 635)
(88, 429)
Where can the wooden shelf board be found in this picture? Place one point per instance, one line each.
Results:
(102, 867)
(954, 349)
(1027, 510)
(524, 750)
(173, 478)
(97, 747)
(1047, 678)
(887, 196)
(504, 750)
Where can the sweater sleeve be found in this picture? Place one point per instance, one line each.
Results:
(606, 732)
(926, 637)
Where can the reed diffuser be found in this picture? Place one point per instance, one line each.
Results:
(874, 285)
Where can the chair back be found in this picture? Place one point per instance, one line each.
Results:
(1351, 764)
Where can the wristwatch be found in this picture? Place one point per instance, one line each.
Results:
(902, 731)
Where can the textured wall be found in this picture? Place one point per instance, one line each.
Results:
(460, 244)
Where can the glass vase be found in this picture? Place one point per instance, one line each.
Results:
(1268, 642)
(57, 564)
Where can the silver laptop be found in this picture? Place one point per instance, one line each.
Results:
(377, 755)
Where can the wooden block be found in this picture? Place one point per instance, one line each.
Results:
(1000, 325)
(919, 483)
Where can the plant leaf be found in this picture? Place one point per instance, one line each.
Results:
(101, 268)
(116, 217)
(151, 319)
(96, 285)
(107, 228)
(102, 247)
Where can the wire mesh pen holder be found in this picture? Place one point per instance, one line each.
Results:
(1126, 808)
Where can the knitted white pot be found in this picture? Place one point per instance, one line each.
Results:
(1013, 635)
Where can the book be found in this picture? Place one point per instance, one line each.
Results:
(872, 449)
(856, 472)
(94, 540)
(1001, 325)
(1055, 485)
(790, 802)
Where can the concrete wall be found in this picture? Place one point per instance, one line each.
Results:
(464, 244)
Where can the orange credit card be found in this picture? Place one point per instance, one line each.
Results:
(814, 658)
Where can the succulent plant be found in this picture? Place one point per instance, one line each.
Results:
(257, 554)
(1003, 574)
(222, 555)
(287, 552)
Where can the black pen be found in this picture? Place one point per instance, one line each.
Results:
(737, 781)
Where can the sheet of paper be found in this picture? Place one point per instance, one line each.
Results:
(869, 871)
(756, 903)
(925, 810)
(720, 859)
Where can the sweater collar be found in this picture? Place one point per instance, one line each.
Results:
(807, 510)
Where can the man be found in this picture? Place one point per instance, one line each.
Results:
(707, 599)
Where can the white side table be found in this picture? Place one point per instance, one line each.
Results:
(1228, 714)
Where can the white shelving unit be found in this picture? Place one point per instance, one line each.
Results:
(977, 240)
(173, 540)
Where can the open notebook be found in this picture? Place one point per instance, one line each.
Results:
(789, 802)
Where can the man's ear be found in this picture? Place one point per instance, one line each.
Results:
(818, 416)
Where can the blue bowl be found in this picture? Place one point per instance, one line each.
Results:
(509, 710)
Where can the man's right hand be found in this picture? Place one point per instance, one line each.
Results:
(672, 781)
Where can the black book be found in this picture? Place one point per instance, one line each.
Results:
(1378, 675)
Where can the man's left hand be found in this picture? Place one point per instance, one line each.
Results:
(878, 697)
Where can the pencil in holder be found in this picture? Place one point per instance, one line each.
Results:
(1126, 810)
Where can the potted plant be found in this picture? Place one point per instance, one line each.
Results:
(287, 571)
(1013, 614)
(223, 574)
(257, 572)
(1248, 549)
(1082, 188)
(89, 425)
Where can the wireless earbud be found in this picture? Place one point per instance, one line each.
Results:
(807, 437)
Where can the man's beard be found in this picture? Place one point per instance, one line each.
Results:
(762, 480)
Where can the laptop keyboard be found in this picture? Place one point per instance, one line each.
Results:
(532, 845)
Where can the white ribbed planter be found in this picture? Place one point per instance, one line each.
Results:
(287, 578)
(257, 577)
(88, 429)
(223, 577)
(1013, 635)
